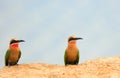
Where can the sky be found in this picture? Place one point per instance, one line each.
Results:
(45, 25)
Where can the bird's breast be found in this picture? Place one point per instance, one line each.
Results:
(14, 55)
(72, 53)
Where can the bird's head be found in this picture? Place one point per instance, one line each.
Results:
(72, 39)
(14, 42)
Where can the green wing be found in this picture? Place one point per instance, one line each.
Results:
(78, 56)
(6, 57)
(65, 57)
(19, 56)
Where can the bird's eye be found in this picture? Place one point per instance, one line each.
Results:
(13, 41)
(70, 39)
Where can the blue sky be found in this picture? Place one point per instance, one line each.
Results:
(46, 25)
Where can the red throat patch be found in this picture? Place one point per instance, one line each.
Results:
(72, 42)
(15, 45)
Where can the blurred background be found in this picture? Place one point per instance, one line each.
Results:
(45, 25)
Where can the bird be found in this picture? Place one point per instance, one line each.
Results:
(71, 55)
(13, 54)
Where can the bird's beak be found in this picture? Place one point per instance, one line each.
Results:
(77, 38)
(20, 41)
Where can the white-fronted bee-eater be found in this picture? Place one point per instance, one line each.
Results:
(13, 54)
(71, 56)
